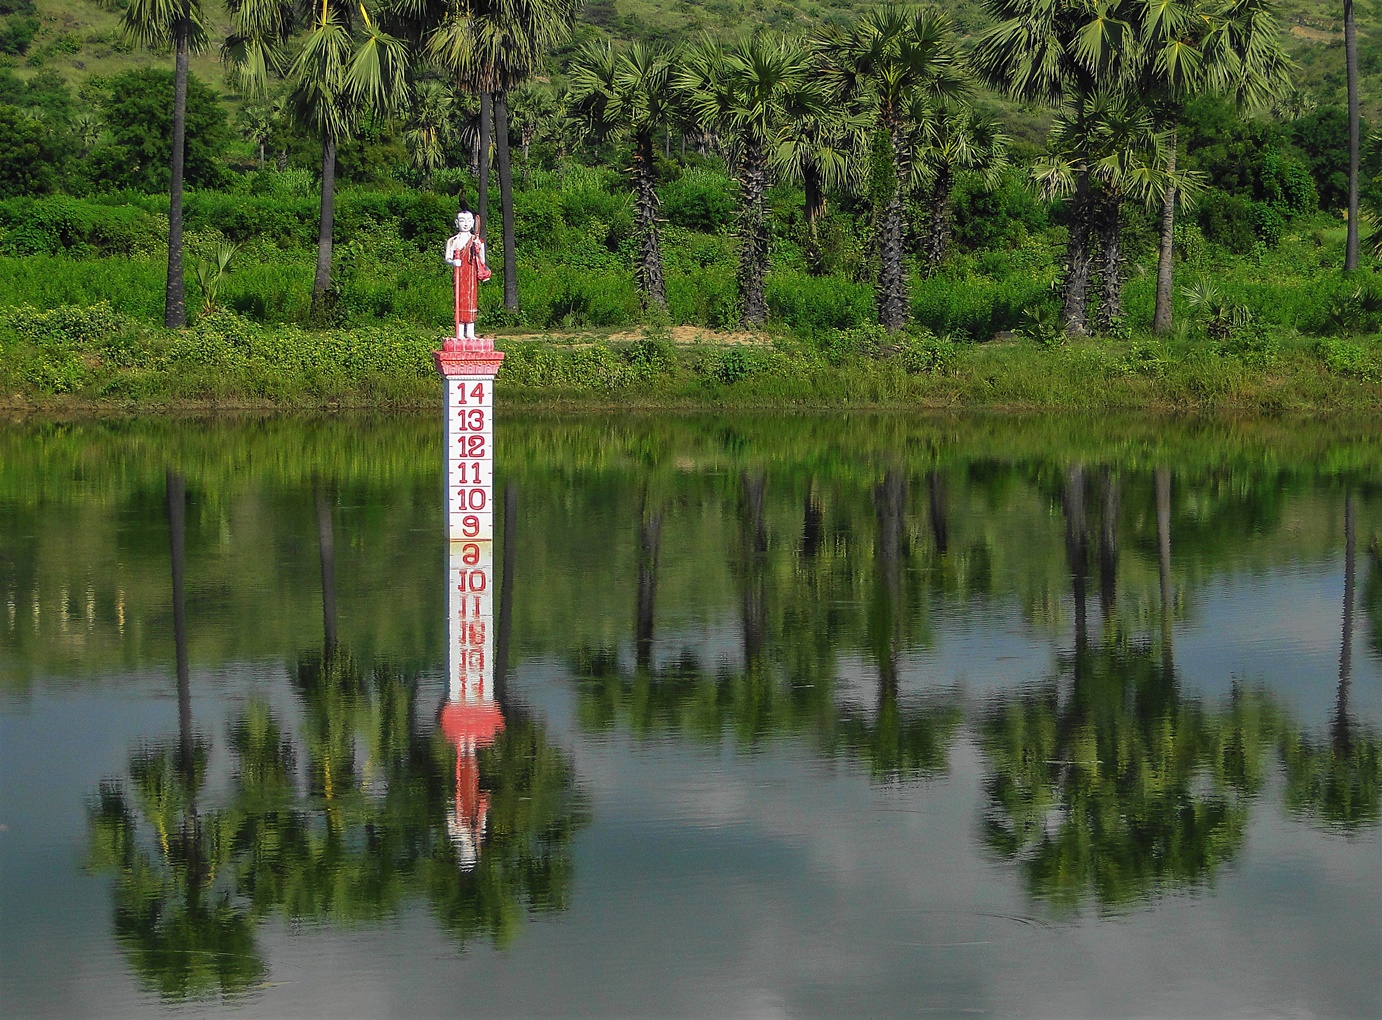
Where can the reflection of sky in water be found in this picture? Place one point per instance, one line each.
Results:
(1281, 629)
(769, 884)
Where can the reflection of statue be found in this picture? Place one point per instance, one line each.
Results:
(465, 251)
(470, 719)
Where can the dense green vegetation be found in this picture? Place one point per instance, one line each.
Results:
(807, 214)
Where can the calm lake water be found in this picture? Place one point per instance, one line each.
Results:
(794, 716)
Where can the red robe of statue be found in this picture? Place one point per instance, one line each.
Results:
(467, 259)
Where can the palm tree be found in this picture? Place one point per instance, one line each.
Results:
(491, 47)
(157, 24)
(957, 140)
(1109, 144)
(257, 123)
(1060, 51)
(339, 71)
(629, 92)
(1354, 138)
(898, 63)
(819, 153)
(428, 128)
(745, 93)
(1188, 48)
(533, 111)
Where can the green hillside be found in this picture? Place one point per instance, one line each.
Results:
(79, 38)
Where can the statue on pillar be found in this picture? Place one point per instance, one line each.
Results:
(465, 251)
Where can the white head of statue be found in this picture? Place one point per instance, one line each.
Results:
(465, 221)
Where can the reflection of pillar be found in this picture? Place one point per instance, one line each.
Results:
(470, 719)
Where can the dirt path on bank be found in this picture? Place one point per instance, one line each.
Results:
(680, 335)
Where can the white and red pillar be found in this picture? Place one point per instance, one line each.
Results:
(471, 718)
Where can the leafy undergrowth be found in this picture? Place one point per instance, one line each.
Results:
(94, 357)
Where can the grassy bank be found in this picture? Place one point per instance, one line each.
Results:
(94, 358)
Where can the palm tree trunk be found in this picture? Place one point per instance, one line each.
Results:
(892, 276)
(938, 237)
(650, 279)
(321, 283)
(1110, 266)
(482, 201)
(753, 253)
(1076, 283)
(1351, 66)
(174, 294)
(176, 489)
(814, 209)
(1161, 318)
(501, 136)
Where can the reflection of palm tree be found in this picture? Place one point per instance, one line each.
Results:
(812, 522)
(1161, 484)
(940, 518)
(1076, 545)
(181, 930)
(885, 619)
(326, 541)
(1108, 546)
(649, 537)
(1338, 780)
(753, 542)
(1125, 787)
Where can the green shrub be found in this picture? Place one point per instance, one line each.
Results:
(650, 358)
(16, 33)
(701, 200)
(926, 353)
(60, 224)
(537, 221)
(809, 304)
(1227, 220)
(974, 307)
(708, 298)
(1349, 358)
(64, 325)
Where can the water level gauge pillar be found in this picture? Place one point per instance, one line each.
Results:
(467, 368)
